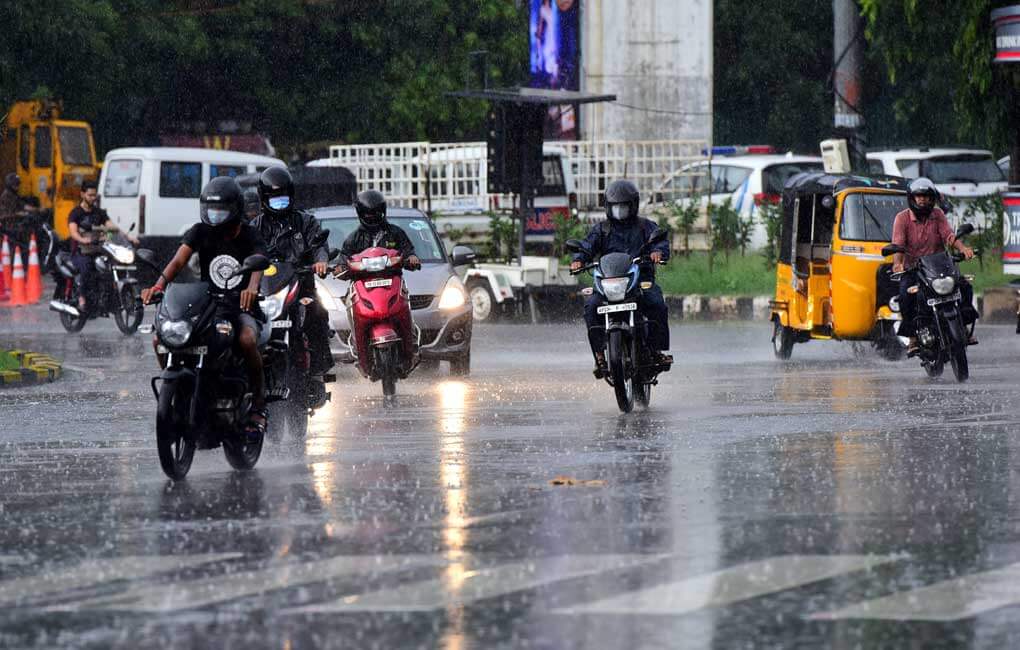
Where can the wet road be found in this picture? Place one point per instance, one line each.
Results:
(836, 501)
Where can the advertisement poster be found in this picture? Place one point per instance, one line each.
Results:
(1011, 249)
(555, 55)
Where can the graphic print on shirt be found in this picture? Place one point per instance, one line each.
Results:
(220, 270)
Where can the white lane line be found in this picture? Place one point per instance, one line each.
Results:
(91, 573)
(462, 585)
(192, 594)
(950, 600)
(729, 585)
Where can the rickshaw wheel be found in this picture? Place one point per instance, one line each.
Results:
(782, 340)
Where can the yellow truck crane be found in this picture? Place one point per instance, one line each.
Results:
(51, 155)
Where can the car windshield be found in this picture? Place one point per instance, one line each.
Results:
(870, 217)
(975, 168)
(426, 246)
(74, 145)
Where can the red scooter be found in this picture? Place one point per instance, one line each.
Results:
(385, 340)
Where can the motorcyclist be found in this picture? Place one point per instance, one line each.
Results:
(626, 232)
(287, 231)
(84, 224)
(11, 203)
(222, 241)
(375, 230)
(923, 229)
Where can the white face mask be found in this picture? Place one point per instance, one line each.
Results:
(620, 211)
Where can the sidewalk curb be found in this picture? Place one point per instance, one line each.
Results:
(23, 368)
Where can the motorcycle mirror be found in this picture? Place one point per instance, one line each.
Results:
(147, 257)
(964, 230)
(573, 245)
(253, 263)
(891, 249)
(660, 236)
(946, 205)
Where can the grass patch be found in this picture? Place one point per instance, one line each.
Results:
(989, 276)
(740, 276)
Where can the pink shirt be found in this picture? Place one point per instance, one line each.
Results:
(920, 238)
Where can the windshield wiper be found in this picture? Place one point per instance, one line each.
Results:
(878, 223)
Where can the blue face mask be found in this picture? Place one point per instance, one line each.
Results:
(279, 202)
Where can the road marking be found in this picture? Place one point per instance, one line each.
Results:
(463, 585)
(730, 585)
(192, 594)
(950, 600)
(92, 573)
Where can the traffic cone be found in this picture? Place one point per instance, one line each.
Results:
(33, 283)
(5, 296)
(18, 297)
(5, 255)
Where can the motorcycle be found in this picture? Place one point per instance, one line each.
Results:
(384, 339)
(115, 290)
(941, 333)
(288, 364)
(632, 369)
(203, 397)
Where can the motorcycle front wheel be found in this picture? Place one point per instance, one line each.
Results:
(175, 447)
(129, 311)
(621, 370)
(386, 362)
(958, 350)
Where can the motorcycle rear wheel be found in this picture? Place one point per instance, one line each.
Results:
(241, 451)
(72, 324)
(129, 311)
(620, 371)
(176, 449)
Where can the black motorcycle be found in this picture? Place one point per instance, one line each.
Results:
(941, 333)
(633, 369)
(203, 394)
(289, 364)
(114, 293)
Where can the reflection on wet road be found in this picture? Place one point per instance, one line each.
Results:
(836, 501)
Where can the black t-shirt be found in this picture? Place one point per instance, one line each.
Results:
(86, 221)
(220, 257)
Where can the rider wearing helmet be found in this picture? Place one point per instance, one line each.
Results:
(287, 231)
(223, 240)
(10, 202)
(923, 229)
(624, 231)
(375, 230)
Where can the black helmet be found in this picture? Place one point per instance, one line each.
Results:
(221, 202)
(371, 208)
(12, 182)
(276, 190)
(918, 187)
(619, 194)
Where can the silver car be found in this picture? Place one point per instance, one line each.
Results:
(439, 305)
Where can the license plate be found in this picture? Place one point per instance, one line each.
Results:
(609, 309)
(384, 282)
(281, 324)
(201, 349)
(937, 301)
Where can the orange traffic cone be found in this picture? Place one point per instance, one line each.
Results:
(33, 283)
(4, 296)
(5, 255)
(18, 281)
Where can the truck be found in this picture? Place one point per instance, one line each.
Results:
(449, 182)
(51, 155)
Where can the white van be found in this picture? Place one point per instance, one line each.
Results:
(157, 188)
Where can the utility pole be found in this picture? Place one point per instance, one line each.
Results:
(846, 79)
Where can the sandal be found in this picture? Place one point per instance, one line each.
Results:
(254, 428)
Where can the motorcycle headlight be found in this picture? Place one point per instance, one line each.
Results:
(175, 332)
(325, 297)
(453, 295)
(122, 254)
(894, 304)
(375, 264)
(615, 289)
(943, 286)
(272, 306)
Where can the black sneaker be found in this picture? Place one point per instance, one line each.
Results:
(601, 369)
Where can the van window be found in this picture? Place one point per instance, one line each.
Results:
(876, 168)
(962, 168)
(552, 177)
(727, 178)
(180, 180)
(909, 168)
(74, 145)
(870, 217)
(225, 170)
(24, 147)
(122, 178)
(43, 147)
(774, 177)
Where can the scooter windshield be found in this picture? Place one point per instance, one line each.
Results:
(184, 299)
(615, 265)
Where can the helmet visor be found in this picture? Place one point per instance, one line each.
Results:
(372, 217)
(216, 215)
(279, 202)
(620, 211)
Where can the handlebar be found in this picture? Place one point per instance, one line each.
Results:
(637, 260)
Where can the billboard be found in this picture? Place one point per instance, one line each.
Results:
(1007, 34)
(555, 57)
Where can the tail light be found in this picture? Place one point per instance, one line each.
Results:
(141, 214)
(762, 198)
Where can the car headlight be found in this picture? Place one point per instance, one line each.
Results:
(615, 289)
(325, 297)
(375, 264)
(453, 295)
(175, 332)
(943, 286)
(272, 306)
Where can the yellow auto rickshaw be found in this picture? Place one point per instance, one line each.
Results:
(832, 281)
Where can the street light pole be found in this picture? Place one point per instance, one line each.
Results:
(846, 79)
